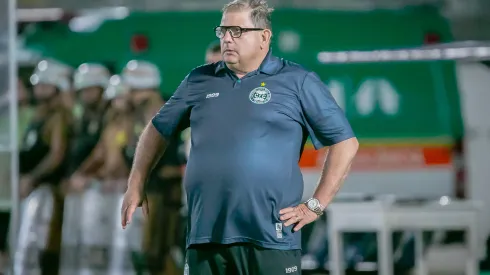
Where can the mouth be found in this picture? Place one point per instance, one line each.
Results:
(229, 52)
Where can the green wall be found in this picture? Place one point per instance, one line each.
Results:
(420, 100)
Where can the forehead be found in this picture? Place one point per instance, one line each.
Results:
(91, 89)
(237, 18)
(43, 85)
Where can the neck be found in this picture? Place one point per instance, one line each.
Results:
(44, 108)
(143, 95)
(94, 108)
(123, 112)
(241, 69)
(146, 91)
(115, 115)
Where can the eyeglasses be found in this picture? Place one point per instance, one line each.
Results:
(234, 31)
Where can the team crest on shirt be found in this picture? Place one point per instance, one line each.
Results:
(260, 95)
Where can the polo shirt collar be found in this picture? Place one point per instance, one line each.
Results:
(270, 65)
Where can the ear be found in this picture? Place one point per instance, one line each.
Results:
(266, 38)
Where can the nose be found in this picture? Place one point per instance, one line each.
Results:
(227, 37)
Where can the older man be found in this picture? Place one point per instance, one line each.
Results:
(250, 116)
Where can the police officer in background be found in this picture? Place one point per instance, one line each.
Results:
(43, 149)
(164, 187)
(143, 78)
(25, 111)
(90, 81)
(107, 159)
(213, 52)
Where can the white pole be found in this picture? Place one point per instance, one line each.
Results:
(14, 156)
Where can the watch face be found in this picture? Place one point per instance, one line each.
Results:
(312, 204)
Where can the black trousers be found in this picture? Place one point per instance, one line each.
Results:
(241, 259)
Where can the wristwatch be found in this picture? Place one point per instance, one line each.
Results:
(315, 206)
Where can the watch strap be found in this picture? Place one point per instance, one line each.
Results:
(318, 209)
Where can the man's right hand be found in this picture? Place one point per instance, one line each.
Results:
(133, 198)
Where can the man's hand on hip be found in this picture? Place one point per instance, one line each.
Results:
(133, 198)
(299, 215)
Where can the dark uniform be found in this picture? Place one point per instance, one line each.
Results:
(35, 147)
(247, 138)
(164, 193)
(86, 133)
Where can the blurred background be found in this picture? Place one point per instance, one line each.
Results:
(413, 77)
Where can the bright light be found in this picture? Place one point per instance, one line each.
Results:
(115, 80)
(444, 200)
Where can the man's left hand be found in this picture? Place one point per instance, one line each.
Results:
(299, 215)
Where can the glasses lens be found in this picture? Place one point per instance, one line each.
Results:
(235, 32)
(219, 32)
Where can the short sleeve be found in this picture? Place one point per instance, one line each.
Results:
(174, 115)
(325, 120)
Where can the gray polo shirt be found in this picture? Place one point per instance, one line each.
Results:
(247, 138)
